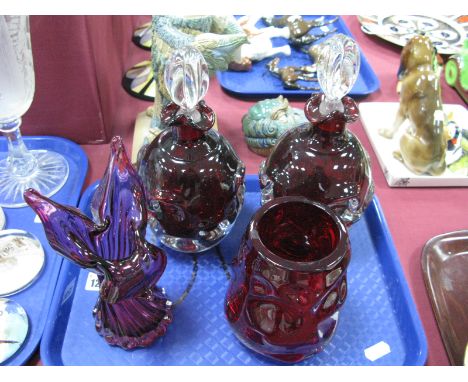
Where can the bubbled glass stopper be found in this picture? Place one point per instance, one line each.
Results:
(337, 70)
(186, 79)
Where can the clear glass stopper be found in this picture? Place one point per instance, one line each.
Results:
(337, 70)
(186, 78)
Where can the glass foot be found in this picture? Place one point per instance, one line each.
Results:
(49, 176)
(185, 245)
(156, 235)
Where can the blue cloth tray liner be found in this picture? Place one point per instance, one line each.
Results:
(36, 298)
(259, 83)
(379, 308)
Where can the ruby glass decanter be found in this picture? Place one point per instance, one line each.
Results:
(131, 310)
(193, 177)
(322, 160)
(289, 279)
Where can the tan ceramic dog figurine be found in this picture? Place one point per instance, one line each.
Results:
(423, 145)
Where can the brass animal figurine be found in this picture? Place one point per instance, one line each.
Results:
(307, 39)
(289, 75)
(299, 28)
(297, 25)
(313, 51)
(423, 145)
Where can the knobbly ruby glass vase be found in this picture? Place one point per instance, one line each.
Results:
(289, 279)
(193, 178)
(322, 160)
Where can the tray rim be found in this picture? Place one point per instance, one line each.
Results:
(26, 352)
(430, 289)
(252, 185)
(372, 87)
(420, 338)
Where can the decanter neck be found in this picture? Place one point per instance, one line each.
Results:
(185, 134)
(184, 128)
(332, 123)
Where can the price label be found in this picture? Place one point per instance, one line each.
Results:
(92, 282)
(374, 352)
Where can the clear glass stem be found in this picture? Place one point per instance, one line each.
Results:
(20, 161)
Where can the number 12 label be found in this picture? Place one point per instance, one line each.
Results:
(92, 282)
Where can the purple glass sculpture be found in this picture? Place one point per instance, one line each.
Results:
(131, 310)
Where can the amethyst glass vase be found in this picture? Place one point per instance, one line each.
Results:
(322, 160)
(289, 279)
(193, 177)
(131, 310)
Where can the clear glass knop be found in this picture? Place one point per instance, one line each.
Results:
(186, 78)
(337, 70)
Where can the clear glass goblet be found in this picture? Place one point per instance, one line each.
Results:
(43, 170)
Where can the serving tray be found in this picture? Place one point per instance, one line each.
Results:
(445, 263)
(37, 297)
(379, 324)
(259, 83)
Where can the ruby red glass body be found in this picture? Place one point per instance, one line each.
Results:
(289, 279)
(194, 181)
(323, 161)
